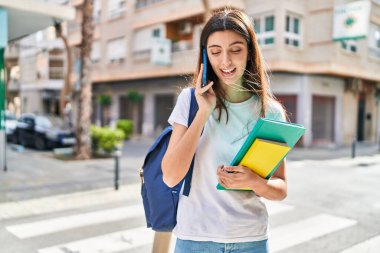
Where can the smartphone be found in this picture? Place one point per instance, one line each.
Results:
(204, 74)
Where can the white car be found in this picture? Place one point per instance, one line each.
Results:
(10, 124)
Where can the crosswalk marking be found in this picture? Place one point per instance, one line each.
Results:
(114, 242)
(370, 246)
(281, 238)
(38, 228)
(68, 201)
(305, 230)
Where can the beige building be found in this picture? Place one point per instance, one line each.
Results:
(36, 64)
(36, 71)
(332, 87)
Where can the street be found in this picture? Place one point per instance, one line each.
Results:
(48, 205)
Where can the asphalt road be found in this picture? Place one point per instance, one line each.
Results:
(48, 205)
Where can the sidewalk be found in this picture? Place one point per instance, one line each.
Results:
(33, 174)
(327, 153)
(139, 147)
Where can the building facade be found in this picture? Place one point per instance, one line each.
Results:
(36, 67)
(331, 87)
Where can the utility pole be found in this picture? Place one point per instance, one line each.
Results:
(3, 44)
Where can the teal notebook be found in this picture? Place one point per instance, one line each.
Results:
(268, 129)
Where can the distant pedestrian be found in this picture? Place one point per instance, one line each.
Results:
(237, 94)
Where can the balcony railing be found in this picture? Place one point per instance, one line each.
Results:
(374, 52)
(145, 3)
(116, 13)
(56, 73)
(182, 45)
(141, 56)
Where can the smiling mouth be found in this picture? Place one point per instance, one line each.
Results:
(228, 72)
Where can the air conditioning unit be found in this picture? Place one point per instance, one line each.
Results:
(185, 27)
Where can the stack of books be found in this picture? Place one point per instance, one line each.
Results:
(266, 147)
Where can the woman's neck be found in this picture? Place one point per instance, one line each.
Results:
(236, 93)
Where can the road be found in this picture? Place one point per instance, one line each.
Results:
(52, 206)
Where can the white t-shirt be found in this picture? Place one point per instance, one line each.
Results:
(208, 214)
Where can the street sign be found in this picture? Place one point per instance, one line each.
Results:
(161, 52)
(351, 21)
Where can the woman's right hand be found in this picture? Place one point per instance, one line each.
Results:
(205, 96)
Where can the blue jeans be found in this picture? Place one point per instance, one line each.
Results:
(187, 246)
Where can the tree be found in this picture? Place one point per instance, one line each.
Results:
(66, 86)
(207, 13)
(83, 146)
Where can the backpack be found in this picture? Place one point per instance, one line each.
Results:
(160, 201)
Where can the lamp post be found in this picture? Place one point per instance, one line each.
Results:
(117, 155)
(3, 44)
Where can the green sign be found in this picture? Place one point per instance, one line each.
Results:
(351, 21)
(3, 28)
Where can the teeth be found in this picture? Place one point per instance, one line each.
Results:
(228, 71)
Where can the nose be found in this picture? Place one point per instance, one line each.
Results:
(226, 60)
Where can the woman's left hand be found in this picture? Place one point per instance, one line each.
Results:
(238, 177)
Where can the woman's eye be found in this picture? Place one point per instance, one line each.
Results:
(236, 51)
(215, 53)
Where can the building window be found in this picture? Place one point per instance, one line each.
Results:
(264, 28)
(293, 31)
(95, 52)
(116, 50)
(97, 11)
(144, 3)
(143, 39)
(156, 33)
(116, 8)
(56, 69)
(374, 41)
(349, 45)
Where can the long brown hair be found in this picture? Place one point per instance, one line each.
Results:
(255, 78)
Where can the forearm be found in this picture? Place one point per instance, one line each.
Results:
(177, 160)
(272, 189)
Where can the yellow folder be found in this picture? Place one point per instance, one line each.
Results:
(263, 156)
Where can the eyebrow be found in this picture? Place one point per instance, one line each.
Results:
(233, 43)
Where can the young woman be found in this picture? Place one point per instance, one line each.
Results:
(211, 220)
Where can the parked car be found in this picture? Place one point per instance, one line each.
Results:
(42, 132)
(10, 124)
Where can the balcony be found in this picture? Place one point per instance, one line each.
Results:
(167, 11)
(13, 85)
(116, 13)
(56, 73)
(182, 45)
(76, 2)
(220, 4)
(12, 51)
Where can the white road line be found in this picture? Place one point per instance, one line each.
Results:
(305, 230)
(71, 201)
(44, 227)
(370, 246)
(115, 242)
(281, 238)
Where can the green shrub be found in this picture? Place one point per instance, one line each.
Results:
(105, 100)
(126, 126)
(95, 133)
(106, 138)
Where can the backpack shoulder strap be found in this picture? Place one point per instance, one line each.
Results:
(192, 112)
(193, 107)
